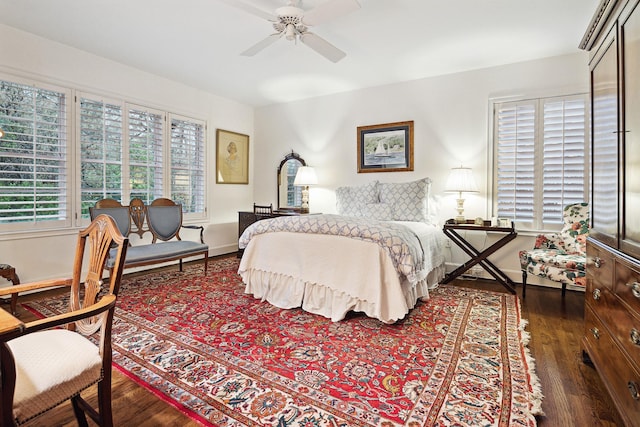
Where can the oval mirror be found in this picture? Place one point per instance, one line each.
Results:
(289, 196)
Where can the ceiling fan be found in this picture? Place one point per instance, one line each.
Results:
(293, 23)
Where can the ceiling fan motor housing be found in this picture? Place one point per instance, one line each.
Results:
(290, 15)
(290, 21)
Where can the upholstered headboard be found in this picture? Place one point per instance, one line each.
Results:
(403, 201)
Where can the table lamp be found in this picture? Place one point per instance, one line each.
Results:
(305, 177)
(461, 181)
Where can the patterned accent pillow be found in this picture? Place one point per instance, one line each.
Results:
(351, 201)
(409, 199)
(379, 211)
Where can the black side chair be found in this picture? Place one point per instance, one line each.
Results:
(263, 211)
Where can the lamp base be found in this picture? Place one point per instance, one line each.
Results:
(460, 219)
(304, 208)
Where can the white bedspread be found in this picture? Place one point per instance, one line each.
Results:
(332, 275)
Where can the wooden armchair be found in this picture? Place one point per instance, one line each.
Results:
(48, 361)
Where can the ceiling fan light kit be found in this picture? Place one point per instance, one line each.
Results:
(292, 22)
(290, 32)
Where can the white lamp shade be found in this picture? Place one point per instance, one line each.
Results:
(306, 175)
(461, 181)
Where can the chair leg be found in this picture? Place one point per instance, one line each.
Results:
(564, 289)
(104, 401)
(79, 412)
(524, 283)
(104, 415)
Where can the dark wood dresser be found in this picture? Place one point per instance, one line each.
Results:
(246, 218)
(612, 326)
(612, 306)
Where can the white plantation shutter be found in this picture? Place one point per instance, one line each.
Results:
(540, 159)
(100, 133)
(188, 164)
(565, 141)
(34, 157)
(145, 139)
(516, 134)
(116, 150)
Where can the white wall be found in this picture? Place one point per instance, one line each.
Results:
(48, 255)
(450, 115)
(451, 124)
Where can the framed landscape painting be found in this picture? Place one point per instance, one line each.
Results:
(232, 157)
(386, 147)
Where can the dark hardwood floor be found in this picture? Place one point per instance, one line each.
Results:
(573, 392)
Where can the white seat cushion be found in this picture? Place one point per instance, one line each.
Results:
(51, 367)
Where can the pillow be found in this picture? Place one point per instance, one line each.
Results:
(408, 199)
(351, 201)
(379, 211)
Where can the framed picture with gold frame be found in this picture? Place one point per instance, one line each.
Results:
(385, 148)
(232, 157)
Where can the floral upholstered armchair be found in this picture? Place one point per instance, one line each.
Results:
(560, 257)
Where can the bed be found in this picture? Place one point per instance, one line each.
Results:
(379, 255)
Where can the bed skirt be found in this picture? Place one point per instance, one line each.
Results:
(330, 276)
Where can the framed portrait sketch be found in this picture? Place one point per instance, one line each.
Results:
(385, 148)
(232, 157)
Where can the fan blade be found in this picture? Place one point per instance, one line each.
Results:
(322, 46)
(251, 9)
(329, 10)
(261, 45)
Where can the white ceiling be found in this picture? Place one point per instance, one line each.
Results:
(198, 42)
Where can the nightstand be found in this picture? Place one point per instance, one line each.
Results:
(451, 229)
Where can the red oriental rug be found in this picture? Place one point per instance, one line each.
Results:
(459, 358)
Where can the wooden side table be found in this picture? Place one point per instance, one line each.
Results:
(451, 229)
(9, 273)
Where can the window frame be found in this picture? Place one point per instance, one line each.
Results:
(82, 218)
(188, 215)
(69, 193)
(127, 193)
(74, 217)
(537, 225)
(165, 151)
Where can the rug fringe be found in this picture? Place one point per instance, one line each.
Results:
(180, 407)
(534, 381)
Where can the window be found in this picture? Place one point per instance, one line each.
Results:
(132, 164)
(187, 164)
(145, 133)
(122, 151)
(540, 158)
(34, 157)
(100, 135)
